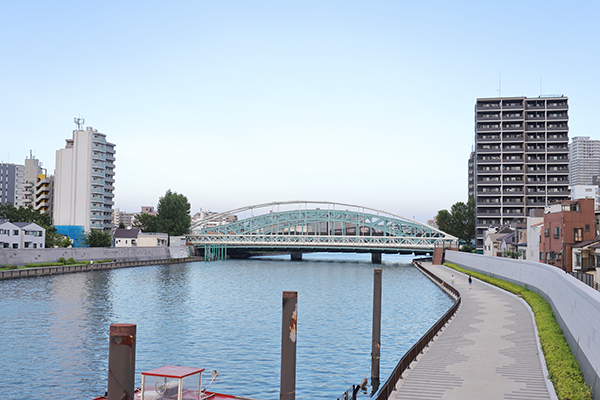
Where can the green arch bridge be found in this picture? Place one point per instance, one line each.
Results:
(313, 226)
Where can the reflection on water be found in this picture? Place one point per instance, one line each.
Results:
(224, 315)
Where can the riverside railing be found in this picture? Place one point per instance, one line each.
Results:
(411, 355)
(65, 269)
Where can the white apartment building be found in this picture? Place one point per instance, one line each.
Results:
(586, 192)
(21, 235)
(584, 160)
(83, 182)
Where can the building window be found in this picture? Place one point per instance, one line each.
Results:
(556, 232)
(15, 245)
(578, 234)
(541, 256)
(16, 233)
(587, 227)
(547, 232)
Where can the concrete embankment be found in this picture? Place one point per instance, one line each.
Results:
(122, 257)
(575, 304)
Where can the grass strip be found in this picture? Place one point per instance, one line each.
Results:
(563, 368)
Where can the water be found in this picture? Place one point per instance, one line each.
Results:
(223, 315)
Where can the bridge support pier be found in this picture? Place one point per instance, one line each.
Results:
(376, 258)
(296, 255)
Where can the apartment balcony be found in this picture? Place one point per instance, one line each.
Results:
(513, 137)
(558, 104)
(513, 181)
(488, 159)
(488, 105)
(97, 190)
(513, 213)
(488, 116)
(512, 148)
(491, 213)
(94, 216)
(563, 137)
(553, 115)
(488, 138)
(535, 126)
(535, 137)
(536, 149)
(554, 126)
(509, 159)
(108, 195)
(512, 116)
(487, 127)
(512, 104)
(557, 159)
(512, 126)
(488, 149)
(535, 115)
(109, 202)
(512, 191)
(488, 201)
(513, 202)
(99, 139)
(488, 170)
(564, 169)
(110, 158)
(513, 170)
(488, 191)
(535, 104)
(495, 181)
(109, 165)
(98, 164)
(536, 181)
(558, 148)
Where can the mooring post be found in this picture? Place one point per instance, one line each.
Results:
(376, 345)
(121, 361)
(288, 346)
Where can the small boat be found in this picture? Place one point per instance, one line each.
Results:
(177, 383)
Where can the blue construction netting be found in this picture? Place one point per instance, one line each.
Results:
(74, 232)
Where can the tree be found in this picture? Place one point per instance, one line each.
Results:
(98, 238)
(145, 222)
(173, 214)
(460, 221)
(121, 225)
(28, 214)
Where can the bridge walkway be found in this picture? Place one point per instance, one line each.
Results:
(489, 350)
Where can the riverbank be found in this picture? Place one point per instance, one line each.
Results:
(65, 269)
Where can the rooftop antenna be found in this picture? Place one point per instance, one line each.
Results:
(500, 84)
(79, 122)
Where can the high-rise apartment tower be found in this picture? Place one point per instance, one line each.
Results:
(521, 158)
(584, 160)
(83, 188)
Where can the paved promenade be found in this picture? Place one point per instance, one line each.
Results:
(487, 351)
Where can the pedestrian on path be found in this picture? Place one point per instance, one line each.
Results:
(452, 280)
(470, 282)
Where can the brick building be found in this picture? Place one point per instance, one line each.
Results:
(566, 224)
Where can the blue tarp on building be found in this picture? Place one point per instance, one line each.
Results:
(74, 232)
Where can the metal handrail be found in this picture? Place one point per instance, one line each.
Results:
(411, 355)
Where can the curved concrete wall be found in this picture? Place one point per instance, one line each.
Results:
(575, 304)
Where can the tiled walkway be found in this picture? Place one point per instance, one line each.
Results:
(487, 351)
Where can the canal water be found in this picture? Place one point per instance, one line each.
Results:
(223, 315)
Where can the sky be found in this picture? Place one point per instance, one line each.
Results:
(235, 103)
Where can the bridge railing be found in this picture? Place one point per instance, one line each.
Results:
(322, 241)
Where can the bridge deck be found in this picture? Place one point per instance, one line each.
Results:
(488, 351)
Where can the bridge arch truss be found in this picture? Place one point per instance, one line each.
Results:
(317, 226)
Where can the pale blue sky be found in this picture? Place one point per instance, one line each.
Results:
(234, 103)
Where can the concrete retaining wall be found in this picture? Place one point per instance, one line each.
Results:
(21, 257)
(575, 304)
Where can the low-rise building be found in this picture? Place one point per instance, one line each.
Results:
(21, 235)
(136, 238)
(566, 224)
